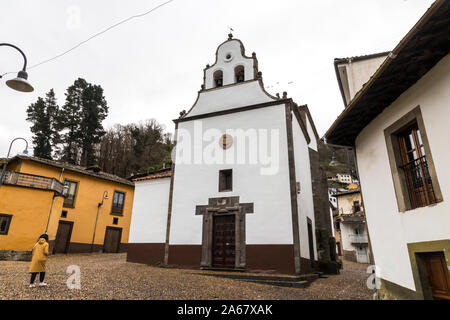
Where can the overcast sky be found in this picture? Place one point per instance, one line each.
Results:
(152, 67)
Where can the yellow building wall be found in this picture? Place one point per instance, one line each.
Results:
(30, 209)
(89, 194)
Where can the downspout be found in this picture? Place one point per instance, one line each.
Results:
(169, 209)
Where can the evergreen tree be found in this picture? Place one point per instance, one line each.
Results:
(42, 114)
(69, 120)
(94, 111)
(81, 121)
(52, 110)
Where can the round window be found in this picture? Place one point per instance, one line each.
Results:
(228, 57)
(226, 141)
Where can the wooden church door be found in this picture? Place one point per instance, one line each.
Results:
(224, 241)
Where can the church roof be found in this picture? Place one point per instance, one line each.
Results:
(156, 174)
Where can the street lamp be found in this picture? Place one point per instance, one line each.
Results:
(24, 152)
(20, 83)
(104, 197)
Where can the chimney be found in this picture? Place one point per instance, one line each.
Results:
(95, 168)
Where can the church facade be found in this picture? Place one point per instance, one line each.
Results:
(240, 192)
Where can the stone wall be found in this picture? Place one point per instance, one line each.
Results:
(321, 206)
(12, 255)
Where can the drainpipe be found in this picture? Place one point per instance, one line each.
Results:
(105, 196)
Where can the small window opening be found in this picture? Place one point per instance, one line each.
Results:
(64, 214)
(5, 221)
(218, 78)
(356, 206)
(225, 180)
(115, 220)
(239, 74)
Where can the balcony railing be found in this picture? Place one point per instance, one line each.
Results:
(359, 238)
(418, 179)
(33, 181)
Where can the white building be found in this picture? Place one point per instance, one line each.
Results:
(149, 217)
(351, 225)
(352, 73)
(344, 178)
(399, 126)
(241, 191)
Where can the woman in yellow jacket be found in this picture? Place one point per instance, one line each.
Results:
(38, 260)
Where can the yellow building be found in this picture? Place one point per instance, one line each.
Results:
(93, 215)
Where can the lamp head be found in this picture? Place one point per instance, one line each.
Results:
(20, 83)
(65, 190)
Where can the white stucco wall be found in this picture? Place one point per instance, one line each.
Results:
(228, 97)
(305, 198)
(313, 143)
(244, 94)
(347, 232)
(390, 230)
(358, 73)
(271, 222)
(149, 216)
(345, 202)
(227, 65)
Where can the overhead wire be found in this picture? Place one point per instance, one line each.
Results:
(96, 35)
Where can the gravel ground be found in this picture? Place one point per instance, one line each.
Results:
(109, 276)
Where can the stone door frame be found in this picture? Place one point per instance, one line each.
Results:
(218, 207)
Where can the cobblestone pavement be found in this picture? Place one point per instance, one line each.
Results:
(109, 276)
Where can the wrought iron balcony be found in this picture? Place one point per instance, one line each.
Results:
(33, 181)
(359, 238)
(418, 180)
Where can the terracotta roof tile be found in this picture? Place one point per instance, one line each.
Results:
(160, 175)
(75, 168)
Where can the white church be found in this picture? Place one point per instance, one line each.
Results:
(239, 194)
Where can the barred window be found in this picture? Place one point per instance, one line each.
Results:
(415, 168)
(410, 158)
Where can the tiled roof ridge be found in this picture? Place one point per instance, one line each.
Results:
(77, 168)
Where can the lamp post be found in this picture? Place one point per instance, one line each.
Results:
(104, 197)
(25, 152)
(20, 83)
